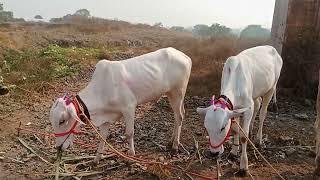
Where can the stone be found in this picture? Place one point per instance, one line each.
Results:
(112, 162)
(282, 155)
(290, 151)
(286, 138)
(161, 158)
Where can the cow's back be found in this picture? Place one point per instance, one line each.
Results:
(155, 73)
(252, 72)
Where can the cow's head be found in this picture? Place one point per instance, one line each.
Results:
(217, 121)
(65, 122)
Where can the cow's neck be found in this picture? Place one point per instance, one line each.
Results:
(92, 105)
(229, 94)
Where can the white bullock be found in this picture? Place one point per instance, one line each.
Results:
(115, 90)
(317, 129)
(246, 78)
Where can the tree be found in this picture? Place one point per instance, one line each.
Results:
(218, 30)
(201, 30)
(38, 17)
(82, 12)
(215, 30)
(255, 32)
(5, 16)
(178, 28)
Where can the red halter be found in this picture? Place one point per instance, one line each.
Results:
(73, 128)
(223, 104)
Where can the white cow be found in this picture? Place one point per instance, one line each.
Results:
(117, 87)
(246, 78)
(317, 129)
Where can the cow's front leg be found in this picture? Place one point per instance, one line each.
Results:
(129, 120)
(104, 133)
(235, 147)
(244, 157)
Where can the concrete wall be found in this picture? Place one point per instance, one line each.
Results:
(279, 24)
(296, 35)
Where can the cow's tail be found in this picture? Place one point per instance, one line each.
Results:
(275, 106)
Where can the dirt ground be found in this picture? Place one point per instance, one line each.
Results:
(289, 140)
(288, 134)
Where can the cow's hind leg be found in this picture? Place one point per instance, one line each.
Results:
(263, 113)
(257, 104)
(128, 115)
(176, 102)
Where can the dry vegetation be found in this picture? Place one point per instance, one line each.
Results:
(44, 60)
(33, 52)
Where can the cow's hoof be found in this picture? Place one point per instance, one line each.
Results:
(241, 173)
(171, 149)
(131, 152)
(169, 145)
(174, 151)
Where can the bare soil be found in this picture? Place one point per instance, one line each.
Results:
(289, 141)
(289, 134)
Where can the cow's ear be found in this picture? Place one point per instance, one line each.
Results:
(237, 112)
(202, 112)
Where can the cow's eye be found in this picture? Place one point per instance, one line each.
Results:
(223, 128)
(62, 121)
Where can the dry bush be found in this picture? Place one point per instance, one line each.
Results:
(207, 55)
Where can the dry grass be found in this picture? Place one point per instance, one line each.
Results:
(207, 55)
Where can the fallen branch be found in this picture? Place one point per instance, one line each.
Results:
(78, 174)
(196, 144)
(59, 155)
(184, 149)
(110, 168)
(76, 178)
(189, 176)
(38, 139)
(250, 175)
(218, 169)
(79, 158)
(76, 158)
(33, 151)
(281, 147)
(255, 155)
(15, 160)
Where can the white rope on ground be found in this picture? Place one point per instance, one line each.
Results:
(254, 147)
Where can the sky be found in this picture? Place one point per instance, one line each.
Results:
(187, 13)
